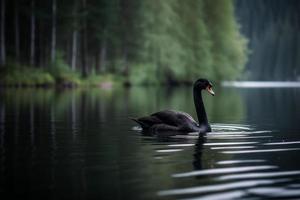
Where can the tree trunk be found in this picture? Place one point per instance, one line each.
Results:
(102, 63)
(84, 70)
(2, 37)
(74, 49)
(53, 42)
(17, 32)
(125, 60)
(32, 38)
(74, 38)
(126, 13)
(41, 55)
(2, 131)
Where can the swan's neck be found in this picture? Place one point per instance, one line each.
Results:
(201, 114)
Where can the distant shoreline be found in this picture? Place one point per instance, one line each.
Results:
(261, 84)
(109, 84)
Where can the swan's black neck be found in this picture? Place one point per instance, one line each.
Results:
(201, 114)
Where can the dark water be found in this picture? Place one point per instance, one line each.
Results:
(79, 144)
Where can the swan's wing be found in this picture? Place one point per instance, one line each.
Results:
(174, 118)
(167, 117)
(148, 121)
(188, 116)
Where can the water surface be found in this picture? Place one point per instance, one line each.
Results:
(79, 144)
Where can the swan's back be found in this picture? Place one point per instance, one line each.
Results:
(177, 119)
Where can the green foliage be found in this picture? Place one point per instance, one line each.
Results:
(103, 79)
(62, 73)
(184, 41)
(59, 73)
(228, 49)
(16, 75)
(146, 42)
(143, 74)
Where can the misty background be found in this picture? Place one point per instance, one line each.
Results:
(272, 28)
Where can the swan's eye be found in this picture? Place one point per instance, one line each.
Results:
(209, 90)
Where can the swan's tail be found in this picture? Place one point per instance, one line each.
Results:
(143, 125)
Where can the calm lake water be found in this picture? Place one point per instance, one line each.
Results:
(79, 144)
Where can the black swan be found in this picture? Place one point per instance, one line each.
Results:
(170, 120)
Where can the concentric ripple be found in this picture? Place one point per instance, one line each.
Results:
(239, 165)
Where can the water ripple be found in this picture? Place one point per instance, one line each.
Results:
(168, 150)
(231, 181)
(282, 143)
(226, 162)
(275, 192)
(260, 151)
(238, 137)
(227, 143)
(231, 127)
(180, 145)
(223, 171)
(220, 196)
(219, 187)
(234, 147)
(259, 175)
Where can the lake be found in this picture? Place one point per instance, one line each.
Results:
(80, 144)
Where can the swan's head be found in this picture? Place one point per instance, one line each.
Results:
(203, 84)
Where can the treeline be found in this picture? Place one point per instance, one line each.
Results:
(272, 27)
(142, 42)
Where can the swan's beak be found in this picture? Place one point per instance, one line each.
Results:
(209, 90)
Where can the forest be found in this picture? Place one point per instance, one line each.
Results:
(272, 27)
(132, 42)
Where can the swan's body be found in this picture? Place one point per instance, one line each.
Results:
(171, 120)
